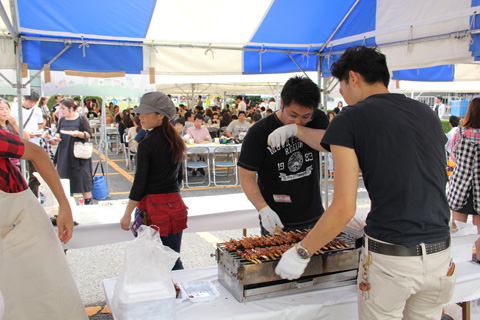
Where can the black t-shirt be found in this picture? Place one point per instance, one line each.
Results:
(288, 177)
(156, 174)
(400, 146)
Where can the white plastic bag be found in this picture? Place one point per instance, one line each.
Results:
(144, 289)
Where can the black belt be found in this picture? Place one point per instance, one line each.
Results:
(399, 250)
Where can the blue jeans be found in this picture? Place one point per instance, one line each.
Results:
(174, 241)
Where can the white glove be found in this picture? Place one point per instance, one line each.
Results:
(291, 266)
(270, 220)
(278, 137)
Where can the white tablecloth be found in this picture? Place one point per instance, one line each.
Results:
(335, 303)
(99, 225)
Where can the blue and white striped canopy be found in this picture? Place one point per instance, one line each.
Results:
(186, 37)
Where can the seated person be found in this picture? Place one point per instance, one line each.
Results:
(215, 119)
(197, 132)
(179, 125)
(237, 126)
(138, 138)
(188, 120)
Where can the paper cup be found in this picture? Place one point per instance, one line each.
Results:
(217, 141)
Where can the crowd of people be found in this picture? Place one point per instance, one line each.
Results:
(406, 270)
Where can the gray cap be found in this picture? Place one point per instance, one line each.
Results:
(156, 102)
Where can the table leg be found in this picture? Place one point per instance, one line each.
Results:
(465, 309)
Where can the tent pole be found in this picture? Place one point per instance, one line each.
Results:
(224, 101)
(323, 98)
(18, 65)
(104, 137)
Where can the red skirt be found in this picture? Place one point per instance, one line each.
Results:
(165, 212)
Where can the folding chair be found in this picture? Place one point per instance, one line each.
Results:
(113, 138)
(194, 165)
(225, 157)
(130, 154)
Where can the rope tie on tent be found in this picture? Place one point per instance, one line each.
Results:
(209, 49)
(152, 47)
(472, 27)
(307, 55)
(329, 56)
(364, 43)
(410, 37)
(83, 45)
(262, 51)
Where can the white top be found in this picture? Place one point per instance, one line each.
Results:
(242, 106)
(35, 120)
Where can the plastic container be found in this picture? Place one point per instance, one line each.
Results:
(199, 291)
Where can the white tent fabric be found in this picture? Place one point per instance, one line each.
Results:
(231, 37)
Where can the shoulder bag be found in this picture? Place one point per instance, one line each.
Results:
(83, 150)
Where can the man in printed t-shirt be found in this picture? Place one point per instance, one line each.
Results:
(283, 150)
(406, 270)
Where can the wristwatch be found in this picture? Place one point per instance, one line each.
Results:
(302, 252)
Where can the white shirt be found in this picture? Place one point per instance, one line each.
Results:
(272, 106)
(242, 106)
(35, 120)
(441, 110)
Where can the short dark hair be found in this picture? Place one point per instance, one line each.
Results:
(336, 110)
(439, 97)
(257, 117)
(33, 96)
(198, 116)
(239, 97)
(188, 114)
(302, 91)
(269, 110)
(241, 112)
(368, 62)
(262, 108)
(454, 121)
(181, 121)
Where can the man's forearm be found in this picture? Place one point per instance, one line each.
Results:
(312, 137)
(251, 189)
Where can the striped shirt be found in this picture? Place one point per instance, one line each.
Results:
(11, 180)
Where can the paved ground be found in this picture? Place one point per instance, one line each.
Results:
(91, 265)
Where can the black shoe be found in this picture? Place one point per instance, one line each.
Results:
(194, 173)
(202, 172)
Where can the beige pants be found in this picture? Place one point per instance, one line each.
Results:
(406, 287)
(35, 278)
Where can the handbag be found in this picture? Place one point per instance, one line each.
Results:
(165, 212)
(82, 150)
(100, 189)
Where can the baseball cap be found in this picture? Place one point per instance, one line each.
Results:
(156, 102)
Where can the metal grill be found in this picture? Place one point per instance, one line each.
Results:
(255, 279)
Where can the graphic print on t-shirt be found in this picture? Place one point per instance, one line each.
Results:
(295, 160)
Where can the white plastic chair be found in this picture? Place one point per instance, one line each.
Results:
(195, 165)
(225, 157)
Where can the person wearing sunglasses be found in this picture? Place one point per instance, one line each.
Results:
(283, 150)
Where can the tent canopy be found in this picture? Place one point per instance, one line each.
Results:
(185, 37)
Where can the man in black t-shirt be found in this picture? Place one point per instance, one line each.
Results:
(399, 145)
(283, 150)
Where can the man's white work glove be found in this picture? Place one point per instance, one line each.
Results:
(291, 266)
(270, 220)
(278, 137)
